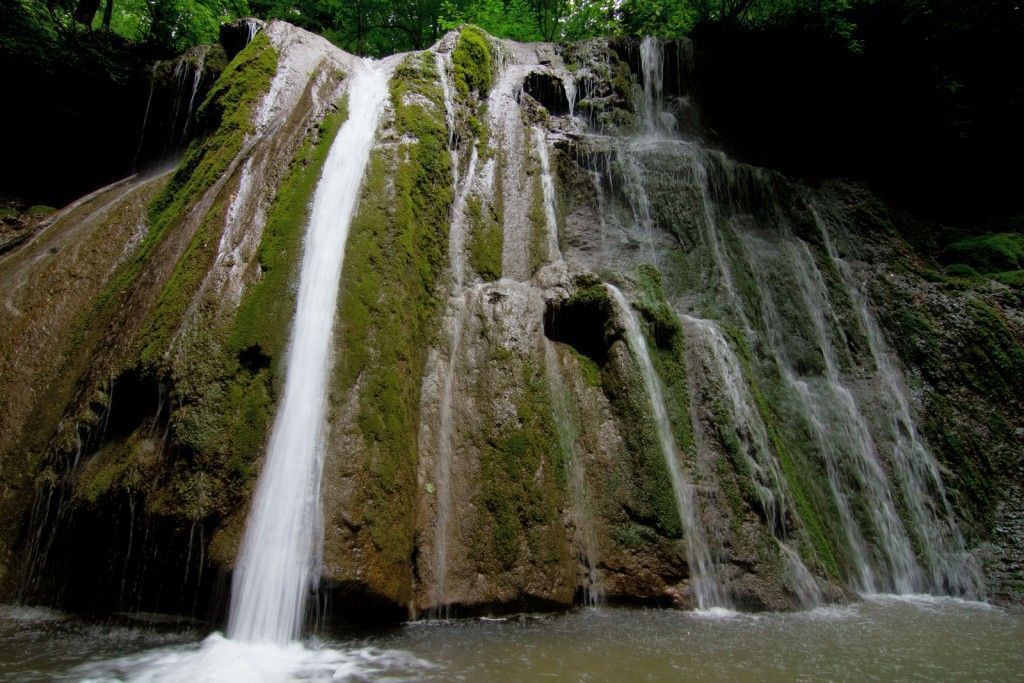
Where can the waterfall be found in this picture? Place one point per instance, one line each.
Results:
(635, 191)
(565, 427)
(276, 567)
(766, 475)
(252, 27)
(904, 573)
(700, 178)
(698, 555)
(569, 83)
(548, 186)
(652, 63)
(952, 569)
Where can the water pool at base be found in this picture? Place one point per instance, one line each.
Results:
(882, 638)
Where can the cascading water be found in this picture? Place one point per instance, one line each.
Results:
(548, 188)
(276, 569)
(175, 91)
(895, 523)
(652, 62)
(569, 83)
(903, 572)
(631, 173)
(767, 479)
(952, 569)
(766, 475)
(698, 555)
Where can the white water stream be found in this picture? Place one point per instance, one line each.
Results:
(698, 556)
(547, 183)
(276, 565)
(652, 58)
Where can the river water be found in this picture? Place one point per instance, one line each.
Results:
(880, 638)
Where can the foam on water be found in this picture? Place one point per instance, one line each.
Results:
(221, 659)
(927, 600)
(720, 613)
(24, 613)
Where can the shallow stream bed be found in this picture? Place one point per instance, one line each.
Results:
(882, 638)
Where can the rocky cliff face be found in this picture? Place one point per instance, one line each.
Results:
(844, 417)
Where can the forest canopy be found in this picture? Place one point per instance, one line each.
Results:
(378, 27)
(923, 96)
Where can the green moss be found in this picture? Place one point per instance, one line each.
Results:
(40, 210)
(964, 436)
(396, 252)
(630, 535)
(103, 472)
(471, 59)
(589, 369)
(994, 363)
(486, 239)
(1012, 278)
(591, 295)
(518, 500)
(791, 444)
(665, 341)
(961, 270)
(644, 482)
(480, 131)
(225, 119)
(989, 253)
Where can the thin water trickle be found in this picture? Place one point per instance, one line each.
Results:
(547, 183)
(276, 568)
(445, 435)
(565, 428)
(629, 168)
(702, 570)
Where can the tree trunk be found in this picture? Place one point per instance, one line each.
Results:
(85, 11)
(108, 11)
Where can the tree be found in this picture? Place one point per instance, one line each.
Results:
(85, 11)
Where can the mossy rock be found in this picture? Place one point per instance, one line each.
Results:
(471, 59)
(40, 210)
(486, 239)
(989, 253)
